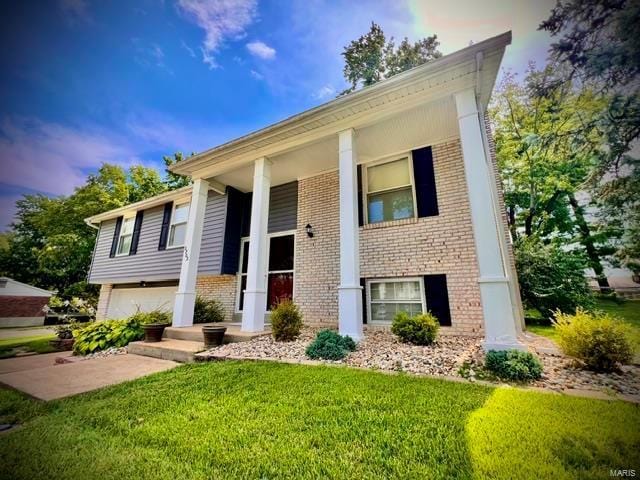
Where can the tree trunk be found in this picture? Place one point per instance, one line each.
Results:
(512, 223)
(589, 244)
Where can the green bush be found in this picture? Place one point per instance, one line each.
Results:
(599, 340)
(551, 278)
(208, 311)
(154, 316)
(421, 329)
(95, 336)
(513, 365)
(286, 321)
(330, 345)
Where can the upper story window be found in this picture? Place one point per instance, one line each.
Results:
(389, 191)
(126, 234)
(178, 229)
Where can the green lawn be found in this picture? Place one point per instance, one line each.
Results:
(628, 311)
(267, 420)
(38, 344)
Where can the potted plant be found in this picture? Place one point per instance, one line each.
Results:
(64, 337)
(153, 324)
(213, 335)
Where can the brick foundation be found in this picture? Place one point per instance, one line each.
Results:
(222, 288)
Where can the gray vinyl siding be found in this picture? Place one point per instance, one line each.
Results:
(151, 264)
(283, 207)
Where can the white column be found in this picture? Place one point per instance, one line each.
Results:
(499, 321)
(349, 291)
(186, 295)
(255, 296)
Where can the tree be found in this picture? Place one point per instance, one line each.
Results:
(50, 245)
(546, 145)
(173, 180)
(595, 41)
(371, 58)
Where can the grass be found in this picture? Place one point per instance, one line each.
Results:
(629, 311)
(268, 420)
(38, 344)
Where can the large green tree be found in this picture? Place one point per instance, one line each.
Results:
(547, 146)
(50, 245)
(372, 58)
(596, 41)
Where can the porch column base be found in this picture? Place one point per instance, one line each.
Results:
(253, 310)
(500, 330)
(183, 309)
(350, 311)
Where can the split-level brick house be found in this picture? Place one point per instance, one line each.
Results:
(382, 200)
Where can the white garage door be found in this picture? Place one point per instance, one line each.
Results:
(127, 301)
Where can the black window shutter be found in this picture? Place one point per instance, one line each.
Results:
(360, 197)
(363, 284)
(164, 232)
(246, 214)
(136, 233)
(425, 178)
(437, 295)
(232, 232)
(116, 236)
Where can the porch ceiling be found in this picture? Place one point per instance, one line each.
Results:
(426, 124)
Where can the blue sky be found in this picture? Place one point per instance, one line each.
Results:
(84, 82)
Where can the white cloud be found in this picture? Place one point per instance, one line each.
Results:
(53, 158)
(324, 92)
(220, 19)
(262, 50)
(256, 75)
(188, 48)
(74, 11)
(151, 54)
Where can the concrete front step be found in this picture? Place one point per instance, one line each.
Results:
(168, 349)
(194, 333)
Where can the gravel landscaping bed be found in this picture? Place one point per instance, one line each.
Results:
(382, 351)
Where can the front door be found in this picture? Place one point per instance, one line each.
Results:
(281, 269)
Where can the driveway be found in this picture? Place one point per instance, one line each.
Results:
(21, 332)
(40, 376)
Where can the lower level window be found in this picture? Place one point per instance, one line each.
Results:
(389, 296)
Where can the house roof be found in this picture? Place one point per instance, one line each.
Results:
(11, 287)
(445, 69)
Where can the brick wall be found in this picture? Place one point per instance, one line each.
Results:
(103, 301)
(21, 306)
(219, 287)
(439, 244)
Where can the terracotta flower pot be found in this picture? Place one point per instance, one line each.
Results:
(153, 332)
(213, 335)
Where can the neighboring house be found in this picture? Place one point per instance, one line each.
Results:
(21, 305)
(379, 201)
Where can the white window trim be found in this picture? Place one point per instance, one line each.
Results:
(171, 224)
(365, 185)
(393, 280)
(239, 274)
(122, 234)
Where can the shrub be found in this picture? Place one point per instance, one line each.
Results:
(513, 365)
(207, 311)
(599, 340)
(286, 321)
(64, 331)
(330, 345)
(96, 336)
(421, 329)
(154, 316)
(551, 278)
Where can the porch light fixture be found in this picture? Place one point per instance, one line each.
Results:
(309, 230)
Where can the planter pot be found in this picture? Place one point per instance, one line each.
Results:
(213, 335)
(636, 278)
(153, 332)
(62, 344)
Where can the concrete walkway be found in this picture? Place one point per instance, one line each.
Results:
(45, 380)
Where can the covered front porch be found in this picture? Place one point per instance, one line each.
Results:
(432, 104)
